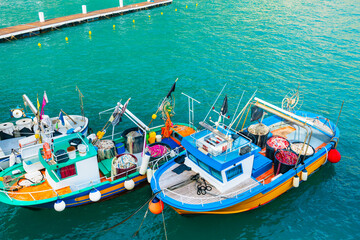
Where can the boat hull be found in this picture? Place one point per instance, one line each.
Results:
(261, 198)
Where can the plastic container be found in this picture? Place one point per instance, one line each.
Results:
(275, 143)
(82, 150)
(75, 142)
(296, 148)
(61, 156)
(284, 161)
(152, 137)
(120, 170)
(158, 138)
(134, 140)
(120, 148)
(260, 132)
(71, 152)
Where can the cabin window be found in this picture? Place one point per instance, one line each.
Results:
(204, 166)
(192, 158)
(178, 136)
(234, 172)
(67, 171)
(215, 173)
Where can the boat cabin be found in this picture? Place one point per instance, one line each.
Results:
(72, 162)
(223, 158)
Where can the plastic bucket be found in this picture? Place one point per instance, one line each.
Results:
(158, 152)
(296, 148)
(137, 143)
(82, 150)
(71, 152)
(275, 143)
(260, 132)
(284, 161)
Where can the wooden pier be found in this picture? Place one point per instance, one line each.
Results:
(36, 28)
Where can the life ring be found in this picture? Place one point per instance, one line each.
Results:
(47, 151)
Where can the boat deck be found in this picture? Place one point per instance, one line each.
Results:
(36, 28)
(188, 192)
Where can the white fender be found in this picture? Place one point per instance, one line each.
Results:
(304, 175)
(144, 164)
(59, 205)
(12, 159)
(129, 184)
(94, 195)
(296, 181)
(149, 174)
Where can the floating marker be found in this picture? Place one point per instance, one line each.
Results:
(186, 6)
(196, 4)
(89, 32)
(149, 16)
(66, 39)
(161, 13)
(39, 44)
(114, 27)
(134, 21)
(175, 9)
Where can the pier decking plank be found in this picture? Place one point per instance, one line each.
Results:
(31, 29)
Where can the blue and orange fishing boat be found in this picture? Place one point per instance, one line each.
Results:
(74, 170)
(229, 171)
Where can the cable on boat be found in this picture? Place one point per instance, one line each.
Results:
(131, 215)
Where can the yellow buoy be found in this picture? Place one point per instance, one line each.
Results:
(153, 116)
(39, 44)
(114, 27)
(37, 136)
(66, 39)
(161, 13)
(186, 6)
(149, 16)
(1, 179)
(134, 21)
(175, 9)
(89, 32)
(196, 4)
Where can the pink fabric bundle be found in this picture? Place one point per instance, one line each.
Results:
(286, 157)
(157, 150)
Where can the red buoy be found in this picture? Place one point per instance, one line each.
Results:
(334, 156)
(156, 206)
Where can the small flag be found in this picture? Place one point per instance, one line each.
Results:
(61, 118)
(44, 102)
(224, 107)
(172, 89)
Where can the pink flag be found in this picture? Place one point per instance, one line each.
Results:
(44, 102)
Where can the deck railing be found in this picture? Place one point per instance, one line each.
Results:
(153, 165)
(218, 198)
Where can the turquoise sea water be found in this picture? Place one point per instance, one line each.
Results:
(271, 46)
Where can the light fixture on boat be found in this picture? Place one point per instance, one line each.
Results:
(304, 175)
(144, 164)
(149, 174)
(296, 181)
(156, 206)
(94, 195)
(129, 184)
(59, 205)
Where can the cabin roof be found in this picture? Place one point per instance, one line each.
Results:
(223, 160)
(62, 143)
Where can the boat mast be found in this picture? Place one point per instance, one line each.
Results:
(81, 102)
